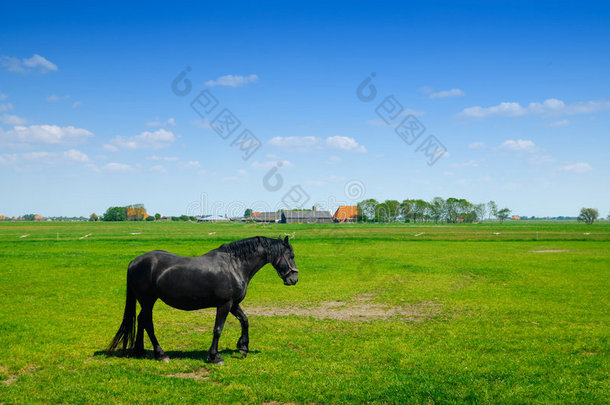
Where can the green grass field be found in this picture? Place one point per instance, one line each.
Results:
(515, 312)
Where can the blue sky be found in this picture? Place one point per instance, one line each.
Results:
(518, 95)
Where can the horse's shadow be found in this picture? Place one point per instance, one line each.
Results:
(179, 354)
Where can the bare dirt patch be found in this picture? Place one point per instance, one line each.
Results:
(550, 251)
(13, 378)
(199, 375)
(360, 308)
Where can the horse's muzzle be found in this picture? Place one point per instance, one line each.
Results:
(292, 278)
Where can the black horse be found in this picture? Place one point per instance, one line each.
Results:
(218, 279)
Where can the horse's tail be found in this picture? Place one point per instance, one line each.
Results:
(127, 330)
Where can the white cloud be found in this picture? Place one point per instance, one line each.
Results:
(549, 107)
(35, 155)
(299, 143)
(171, 122)
(161, 138)
(470, 163)
(35, 63)
(6, 107)
(3, 96)
(202, 124)
(307, 143)
(10, 119)
(377, 122)
(8, 159)
(76, 155)
(580, 167)
(271, 163)
(192, 164)
(518, 145)
(117, 167)
(503, 109)
(344, 143)
(561, 123)
(53, 98)
(48, 134)
(447, 93)
(158, 169)
(166, 159)
(409, 111)
(333, 160)
(541, 159)
(110, 148)
(476, 145)
(232, 81)
(76, 104)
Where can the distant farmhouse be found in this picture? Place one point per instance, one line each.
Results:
(306, 217)
(266, 217)
(346, 213)
(212, 218)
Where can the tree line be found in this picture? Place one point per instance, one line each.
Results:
(451, 210)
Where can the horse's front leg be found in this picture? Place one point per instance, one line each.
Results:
(242, 343)
(221, 316)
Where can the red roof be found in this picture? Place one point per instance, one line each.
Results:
(345, 212)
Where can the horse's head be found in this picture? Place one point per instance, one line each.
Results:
(284, 263)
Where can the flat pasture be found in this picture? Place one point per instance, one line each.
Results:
(389, 313)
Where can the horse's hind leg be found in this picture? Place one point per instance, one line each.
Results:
(145, 321)
(242, 343)
(138, 349)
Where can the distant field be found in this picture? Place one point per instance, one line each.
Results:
(514, 312)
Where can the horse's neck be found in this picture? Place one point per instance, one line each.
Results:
(250, 266)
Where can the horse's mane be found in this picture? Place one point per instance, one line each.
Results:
(244, 248)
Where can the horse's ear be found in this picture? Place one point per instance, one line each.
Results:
(279, 237)
(286, 241)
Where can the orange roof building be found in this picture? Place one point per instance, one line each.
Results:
(346, 213)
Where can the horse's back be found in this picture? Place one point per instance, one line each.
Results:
(144, 270)
(182, 282)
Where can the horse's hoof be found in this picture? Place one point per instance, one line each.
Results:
(244, 353)
(217, 360)
(164, 358)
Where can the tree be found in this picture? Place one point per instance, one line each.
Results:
(503, 214)
(393, 207)
(157, 216)
(406, 209)
(381, 212)
(366, 210)
(492, 209)
(588, 215)
(479, 210)
(420, 210)
(93, 217)
(452, 210)
(115, 214)
(150, 218)
(248, 213)
(136, 212)
(437, 209)
(29, 217)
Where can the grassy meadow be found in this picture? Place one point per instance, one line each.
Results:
(401, 313)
